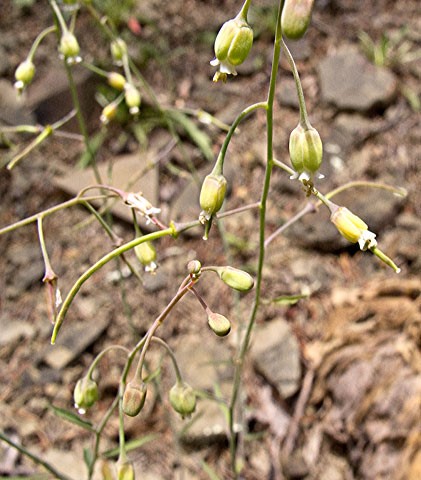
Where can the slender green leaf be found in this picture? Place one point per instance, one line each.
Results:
(88, 457)
(209, 471)
(72, 418)
(289, 299)
(132, 445)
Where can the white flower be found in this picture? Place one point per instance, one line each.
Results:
(367, 240)
(143, 206)
(224, 66)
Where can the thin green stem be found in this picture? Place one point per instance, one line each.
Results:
(262, 220)
(244, 10)
(34, 457)
(304, 122)
(59, 16)
(164, 344)
(38, 40)
(360, 183)
(284, 167)
(94, 69)
(99, 264)
(219, 165)
(101, 354)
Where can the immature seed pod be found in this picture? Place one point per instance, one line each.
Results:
(116, 80)
(108, 112)
(69, 46)
(296, 16)
(194, 267)
(232, 46)
(212, 194)
(182, 399)
(235, 278)
(146, 254)
(85, 393)
(353, 228)
(305, 150)
(133, 98)
(24, 74)
(219, 324)
(125, 470)
(118, 49)
(134, 398)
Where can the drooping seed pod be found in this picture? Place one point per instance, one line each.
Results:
(24, 74)
(219, 324)
(134, 398)
(212, 194)
(235, 278)
(194, 267)
(69, 47)
(232, 46)
(353, 228)
(305, 150)
(132, 97)
(85, 393)
(118, 49)
(116, 80)
(183, 399)
(108, 113)
(125, 470)
(146, 254)
(296, 16)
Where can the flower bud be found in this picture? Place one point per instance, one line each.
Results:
(146, 254)
(235, 278)
(212, 194)
(353, 228)
(305, 150)
(132, 96)
(85, 393)
(296, 16)
(118, 49)
(134, 398)
(116, 80)
(24, 74)
(108, 112)
(232, 46)
(182, 399)
(69, 47)
(219, 324)
(125, 470)
(194, 267)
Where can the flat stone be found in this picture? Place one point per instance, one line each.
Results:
(50, 99)
(126, 175)
(350, 82)
(288, 94)
(72, 342)
(12, 330)
(13, 110)
(276, 356)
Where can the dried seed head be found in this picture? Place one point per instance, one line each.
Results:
(134, 398)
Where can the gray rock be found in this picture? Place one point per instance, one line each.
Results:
(13, 110)
(288, 94)
(350, 82)
(276, 356)
(12, 329)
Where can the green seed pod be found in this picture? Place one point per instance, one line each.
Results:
(118, 49)
(125, 470)
(232, 45)
(69, 45)
(219, 324)
(24, 74)
(235, 278)
(182, 399)
(296, 16)
(108, 112)
(116, 80)
(353, 228)
(85, 393)
(134, 398)
(305, 150)
(146, 254)
(133, 98)
(212, 194)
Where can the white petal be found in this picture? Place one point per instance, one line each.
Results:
(214, 62)
(367, 240)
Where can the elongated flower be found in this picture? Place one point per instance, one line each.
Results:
(353, 228)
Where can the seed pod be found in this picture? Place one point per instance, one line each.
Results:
(108, 112)
(194, 267)
(133, 98)
(296, 16)
(118, 49)
(146, 254)
(134, 398)
(182, 399)
(305, 150)
(235, 278)
(353, 228)
(219, 324)
(116, 80)
(212, 194)
(125, 470)
(24, 74)
(85, 393)
(232, 46)
(69, 46)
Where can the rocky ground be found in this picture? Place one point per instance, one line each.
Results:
(332, 388)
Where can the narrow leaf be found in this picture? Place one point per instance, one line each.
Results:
(289, 299)
(132, 445)
(72, 418)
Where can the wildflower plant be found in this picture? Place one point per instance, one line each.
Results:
(232, 46)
